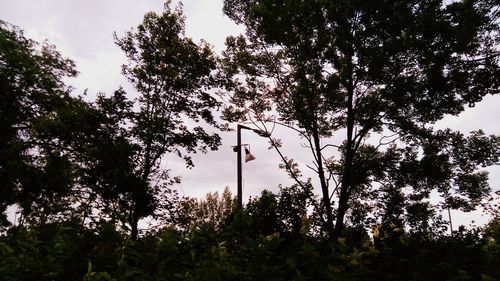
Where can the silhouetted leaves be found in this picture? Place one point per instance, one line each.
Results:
(366, 70)
(82, 174)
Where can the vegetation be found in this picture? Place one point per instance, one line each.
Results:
(379, 74)
(266, 241)
(84, 174)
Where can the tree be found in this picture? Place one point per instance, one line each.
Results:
(172, 75)
(31, 89)
(64, 157)
(96, 139)
(212, 211)
(368, 69)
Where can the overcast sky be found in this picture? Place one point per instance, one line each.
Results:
(83, 31)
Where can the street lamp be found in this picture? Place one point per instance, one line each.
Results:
(248, 157)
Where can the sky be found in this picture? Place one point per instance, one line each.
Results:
(83, 31)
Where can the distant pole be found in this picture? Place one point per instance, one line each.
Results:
(239, 164)
(449, 217)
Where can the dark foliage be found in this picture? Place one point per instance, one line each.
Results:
(248, 246)
(84, 173)
(31, 89)
(368, 72)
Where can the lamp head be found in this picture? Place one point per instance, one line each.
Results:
(248, 155)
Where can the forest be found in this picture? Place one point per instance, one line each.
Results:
(80, 177)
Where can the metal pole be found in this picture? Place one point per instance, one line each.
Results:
(240, 189)
(239, 164)
(449, 217)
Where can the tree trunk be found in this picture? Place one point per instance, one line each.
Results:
(349, 152)
(134, 225)
(324, 186)
(345, 186)
(134, 232)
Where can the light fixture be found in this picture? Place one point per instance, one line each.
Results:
(248, 155)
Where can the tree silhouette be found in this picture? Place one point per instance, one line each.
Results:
(31, 89)
(364, 70)
(172, 75)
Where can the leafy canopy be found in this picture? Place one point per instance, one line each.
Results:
(362, 69)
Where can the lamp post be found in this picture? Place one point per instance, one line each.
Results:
(237, 148)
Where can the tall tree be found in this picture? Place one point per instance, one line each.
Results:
(96, 138)
(31, 88)
(363, 69)
(172, 75)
